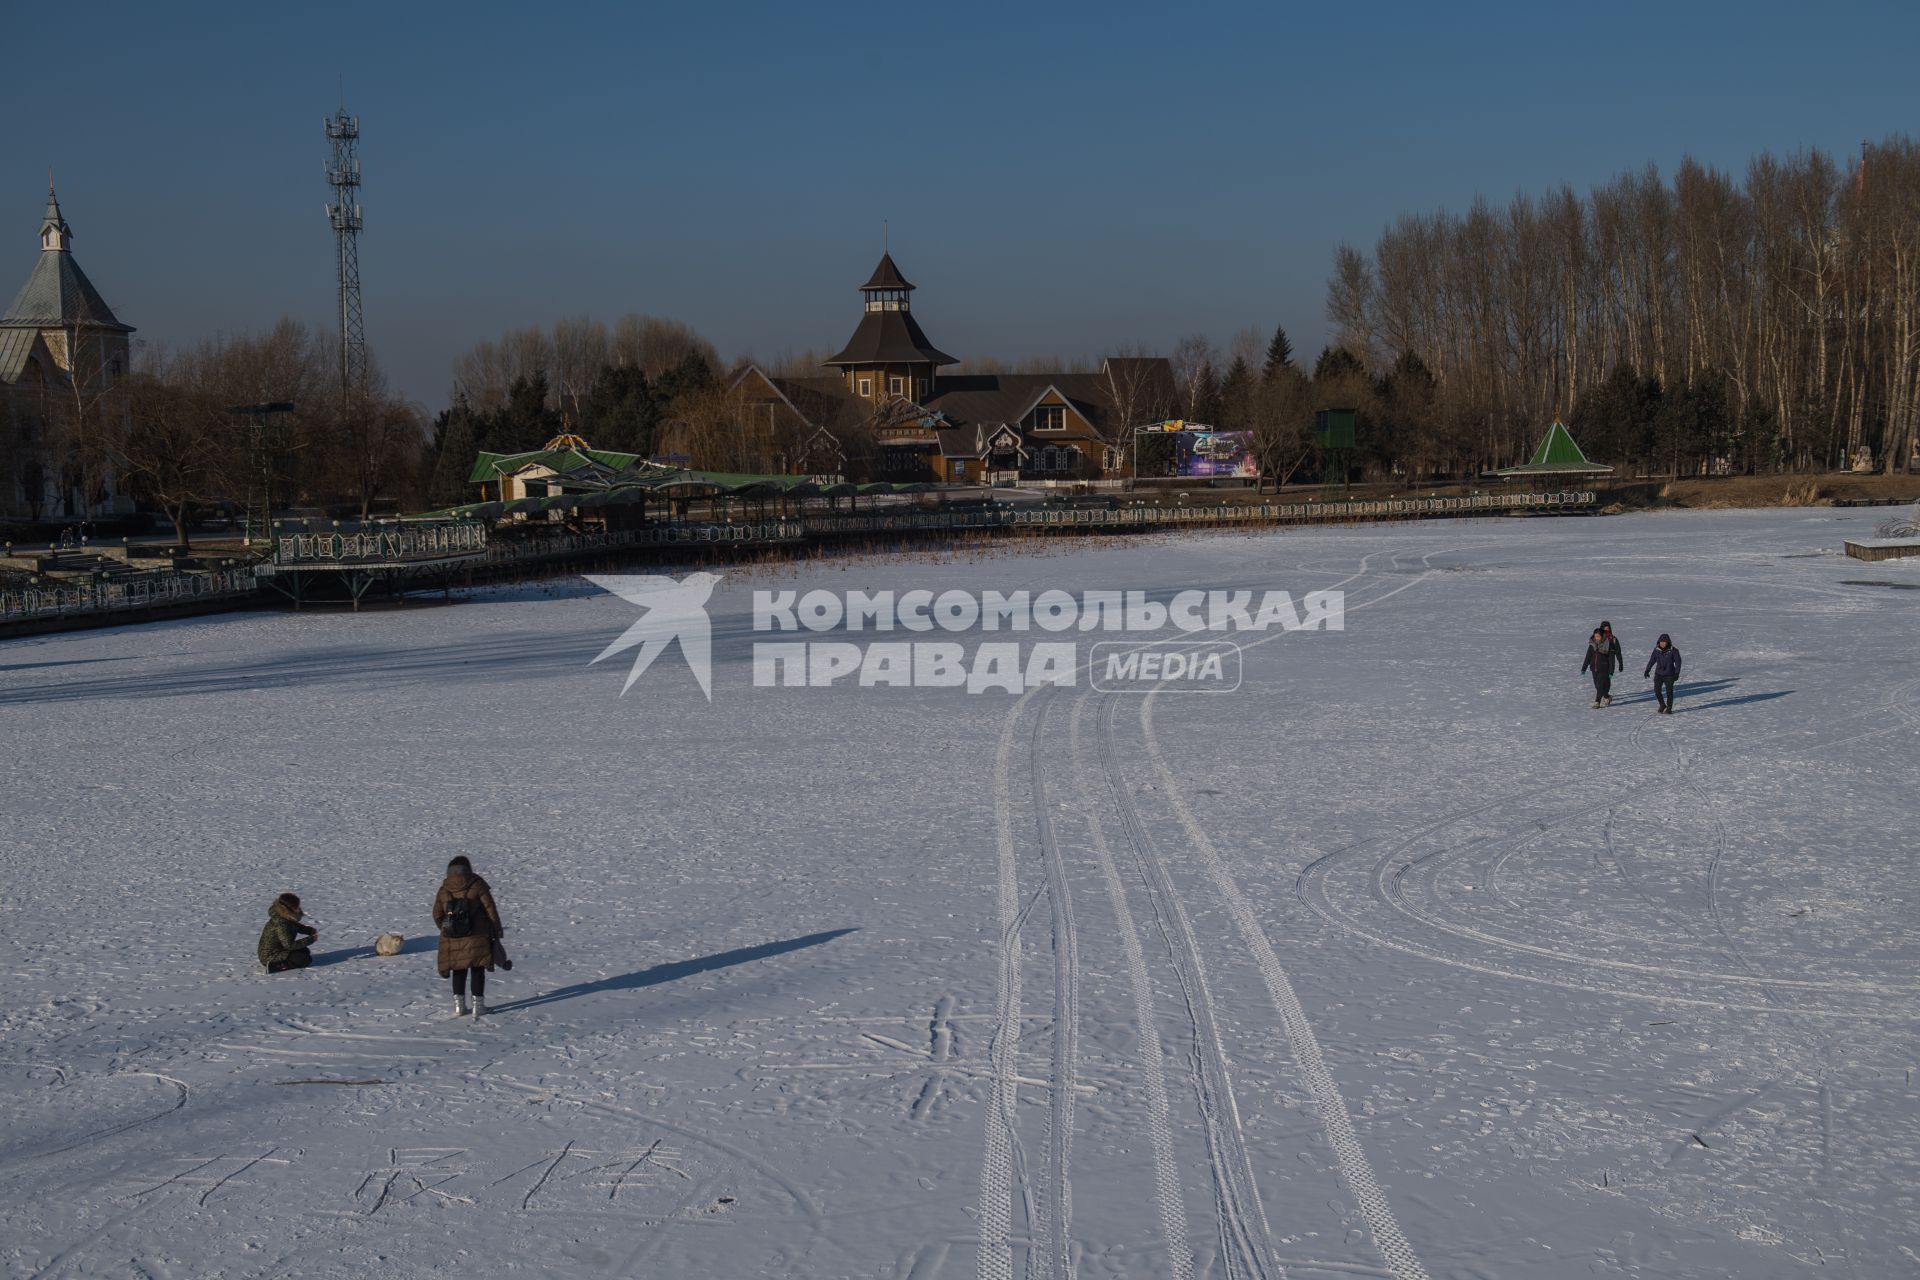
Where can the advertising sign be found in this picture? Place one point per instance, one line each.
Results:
(1207, 454)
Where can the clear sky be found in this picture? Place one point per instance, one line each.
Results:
(1059, 180)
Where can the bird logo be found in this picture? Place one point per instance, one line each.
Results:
(674, 611)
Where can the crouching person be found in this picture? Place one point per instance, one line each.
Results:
(284, 942)
(469, 925)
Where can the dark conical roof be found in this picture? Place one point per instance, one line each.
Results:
(886, 276)
(890, 337)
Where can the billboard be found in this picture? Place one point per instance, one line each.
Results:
(1206, 454)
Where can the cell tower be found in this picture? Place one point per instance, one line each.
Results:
(343, 175)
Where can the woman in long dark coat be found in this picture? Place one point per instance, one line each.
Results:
(469, 924)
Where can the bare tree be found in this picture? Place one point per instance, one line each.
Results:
(177, 447)
(1138, 394)
(1790, 300)
(1193, 361)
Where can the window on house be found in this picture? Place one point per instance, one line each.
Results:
(1050, 417)
(923, 388)
(896, 386)
(866, 388)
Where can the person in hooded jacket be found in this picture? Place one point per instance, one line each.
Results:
(1600, 663)
(283, 943)
(469, 924)
(1664, 666)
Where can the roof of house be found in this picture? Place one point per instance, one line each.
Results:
(562, 462)
(890, 337)
(57, 292)
(814, 399)
(993, 398)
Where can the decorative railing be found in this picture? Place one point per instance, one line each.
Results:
(139, 592)
(404, 545)
(1280, 512)
(546, 546)
(381, 545)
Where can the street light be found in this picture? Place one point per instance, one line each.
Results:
(260, 413)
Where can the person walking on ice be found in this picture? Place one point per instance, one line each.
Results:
(1664, 666)
(1613, 649)
(1600, 663)
(469, 925)
(284, 942)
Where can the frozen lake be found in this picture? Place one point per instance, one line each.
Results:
(1397, 961)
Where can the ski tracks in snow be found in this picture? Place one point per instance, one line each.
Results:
(1246, 1237)
(995, 1255)
(1168, 1203)
(1355, 1168)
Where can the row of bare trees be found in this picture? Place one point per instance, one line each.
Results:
(184, 441)
(570, 356)
(1790, 297)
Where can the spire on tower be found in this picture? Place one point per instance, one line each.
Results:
(54, 231)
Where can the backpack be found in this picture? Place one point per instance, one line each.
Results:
(458, 922)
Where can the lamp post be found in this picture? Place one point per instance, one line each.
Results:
(260, 515)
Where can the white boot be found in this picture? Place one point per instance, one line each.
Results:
(479, 1007)
(459, 1006)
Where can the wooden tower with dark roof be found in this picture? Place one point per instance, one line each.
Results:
(889, 357)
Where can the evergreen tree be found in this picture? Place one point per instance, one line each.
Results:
(1237, 406)
(1406, 431)
(1279, 354)
(688, 374)
(1618, 418)
(620, 412)
(1207, 401)
(524, 423)
(1336, 363)
(1692, 424)
(456, 447)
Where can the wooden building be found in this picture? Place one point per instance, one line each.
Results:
(966, 428)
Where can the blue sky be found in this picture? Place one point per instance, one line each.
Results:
(1058, 179)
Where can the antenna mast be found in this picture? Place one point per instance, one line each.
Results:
(343, 213)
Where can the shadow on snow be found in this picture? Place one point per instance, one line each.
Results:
(1700, 688)
(676, 970)
(412, 946)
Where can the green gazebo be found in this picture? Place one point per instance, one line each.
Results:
(1557, 455)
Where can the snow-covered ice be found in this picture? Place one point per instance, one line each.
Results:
(1400, 961)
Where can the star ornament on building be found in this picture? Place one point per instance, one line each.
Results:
(674, 611)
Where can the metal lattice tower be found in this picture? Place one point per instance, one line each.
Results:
(343, 175)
